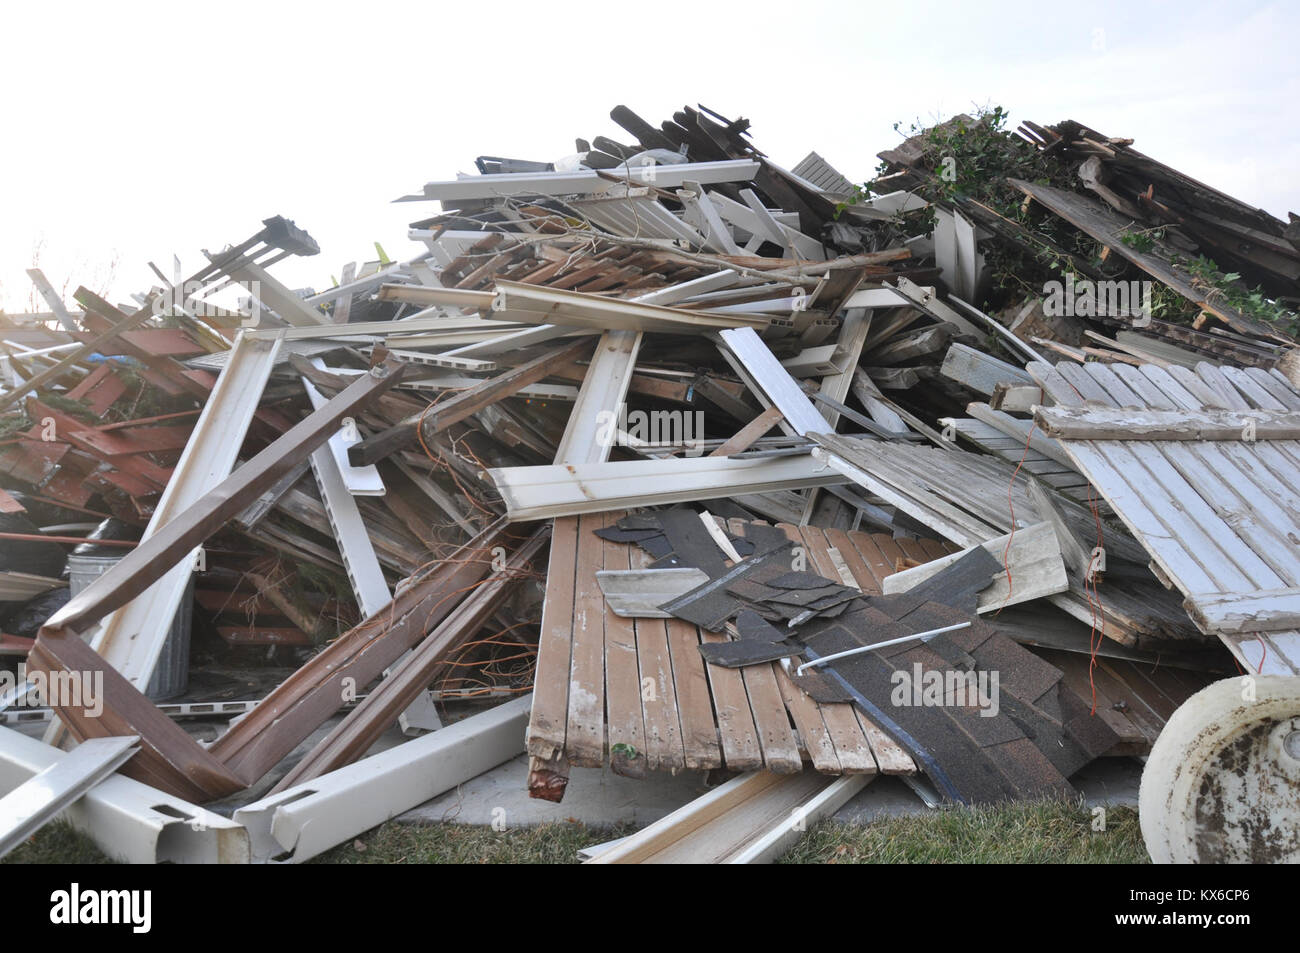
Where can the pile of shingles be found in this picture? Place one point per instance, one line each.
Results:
(663, 319)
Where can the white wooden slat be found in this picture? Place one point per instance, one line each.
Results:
(1251, 389)
(602, 394)
(583, 181)
(1177, 502)
(1033, 553)
(1180, 506)
(39, 799)
(535, 492)
(1266, 610)
(1277, 386)
(1282, 378)
(955, 524)
(1206, 393)
(1143, 387)
(1213, 376)
(745, 350)
(1112, 482)
(1083, 382)
(701, 213)
(1269, 504)
(1274, 653)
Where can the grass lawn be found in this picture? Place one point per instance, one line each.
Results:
(1022, 833)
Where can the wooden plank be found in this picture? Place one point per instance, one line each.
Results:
(741, 749)
(735, 799)
(1021, 432)
(700, 743)
(1279, 389)
(1266, 610)
(664, 746)
(979, 370)
(913, 551)
(625, 719)
(755, 363)
(1108, 228)
(1214, 377)
(807, 718)
(780, 746)
(890, 755)
(1129, 423)
(852, 747)
(1032, 554)
(926, 341)
(432, 422)
(843, 543)
(585, 735)
(746, 435)
(548, 721)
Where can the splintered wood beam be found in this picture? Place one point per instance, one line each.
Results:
(362, 727)
(141, 567)
(1097, 423)
(76, 356)
(303, 701)
(469, 401)
(747, 434)
(1108, 228)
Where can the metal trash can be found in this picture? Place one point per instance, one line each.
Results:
(171, 676)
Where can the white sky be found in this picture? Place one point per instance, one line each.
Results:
(139, 130)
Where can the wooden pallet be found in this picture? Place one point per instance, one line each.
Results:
(637, 694)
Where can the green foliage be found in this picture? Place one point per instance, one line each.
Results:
(970, 159)
(1029, 832)
(973, 157)
(1143, 240)
(465, 844)
(57, 843)
(66, 405)
(14, 423)
(1228, 289)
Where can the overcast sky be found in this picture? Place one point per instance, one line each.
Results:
(142, 130)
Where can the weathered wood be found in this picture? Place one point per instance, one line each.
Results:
(1268, 610)
(745, 437)
(1020, 431)
(362, 727)
(1075, 423)
(1017, 398)
(978, 370)
(466, 403)
(1108, 228)
(145, 564)
(1033, 569)
(925, 341)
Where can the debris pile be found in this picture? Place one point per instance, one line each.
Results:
(677, 458)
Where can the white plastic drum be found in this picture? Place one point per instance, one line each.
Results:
(1222, 784)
